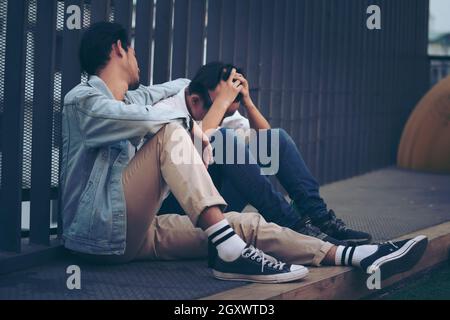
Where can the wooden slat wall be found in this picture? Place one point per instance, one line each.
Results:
(342, 91)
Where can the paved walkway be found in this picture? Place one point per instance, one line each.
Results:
(388, 203)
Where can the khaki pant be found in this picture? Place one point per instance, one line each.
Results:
(146, 181)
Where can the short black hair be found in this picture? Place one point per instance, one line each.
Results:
(96, 44)
(208, 77)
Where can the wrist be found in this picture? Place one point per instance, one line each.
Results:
(248, 103)
(222, 103)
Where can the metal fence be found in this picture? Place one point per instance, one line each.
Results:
(342, 91)
(439, 68)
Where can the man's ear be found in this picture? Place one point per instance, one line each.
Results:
(196, 100)
(118, 49)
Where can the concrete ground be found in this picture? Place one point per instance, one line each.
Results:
(388, 203)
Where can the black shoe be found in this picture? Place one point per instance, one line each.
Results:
(337, 229)
(395, 257)
(255, 266)
(305, 227)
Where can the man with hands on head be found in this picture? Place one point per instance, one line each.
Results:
(209, 100)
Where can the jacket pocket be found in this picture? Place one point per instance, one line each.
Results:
(81, 223)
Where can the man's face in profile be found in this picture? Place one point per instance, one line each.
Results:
(133, 69)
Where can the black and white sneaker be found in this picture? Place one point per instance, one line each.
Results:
(337, 229)
(305, 227)
(255, 266)
(395, 257)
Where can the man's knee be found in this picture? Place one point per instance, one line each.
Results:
(174, 126)
(174, 132)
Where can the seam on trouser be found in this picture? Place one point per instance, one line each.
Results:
(322, 253)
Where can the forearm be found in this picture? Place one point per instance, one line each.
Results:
(255, 117)
(214, 116)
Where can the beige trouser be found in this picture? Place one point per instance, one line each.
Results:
(146, 181)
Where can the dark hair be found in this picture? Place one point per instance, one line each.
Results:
(96, 43)
(208, 78)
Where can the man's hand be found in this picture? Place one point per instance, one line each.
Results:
(229, 90)
(246, 99)
(257, 120)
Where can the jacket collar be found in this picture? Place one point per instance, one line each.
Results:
(97, 83)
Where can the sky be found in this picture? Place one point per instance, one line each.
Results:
(440, 13)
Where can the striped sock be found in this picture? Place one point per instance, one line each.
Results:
(352, 256)
(229, 245)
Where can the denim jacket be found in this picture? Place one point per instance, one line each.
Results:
(97, 133)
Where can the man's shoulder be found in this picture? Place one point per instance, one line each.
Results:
(175, 101)
(78, 92)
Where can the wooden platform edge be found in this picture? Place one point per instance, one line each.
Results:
(342, 283)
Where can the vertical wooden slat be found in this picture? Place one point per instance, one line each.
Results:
(143, 38)
(123, 13)
(359, 25)
(299, 34)
(277, 63)
(197, 10)
(338, 43)
(325, 121)
(241, 33)
(266, 55)
(70, 71)
(12, 133)
(100, 10)
(228, 20)
(163, 39)
(287, 66)
(331, 154)
(180, 35)
(341, 83)
(70, 66)
(214, 31)
(347, 88)
(369, 156)
(306, 81)
(42, 123)
(254, 47)
(315, 77)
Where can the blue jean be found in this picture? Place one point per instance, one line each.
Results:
(242, 184)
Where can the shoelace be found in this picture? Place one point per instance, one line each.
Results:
(392, 244)
(340, 225)
(256, 254)
(310, 229)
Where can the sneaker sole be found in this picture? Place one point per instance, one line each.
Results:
(401, 260)
(275, 278)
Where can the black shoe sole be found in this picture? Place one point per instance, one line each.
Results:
(401, 260)
(275, 278)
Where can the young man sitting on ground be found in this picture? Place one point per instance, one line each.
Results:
(243, 183)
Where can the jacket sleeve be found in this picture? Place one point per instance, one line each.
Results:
(152, 94)
(104, 121)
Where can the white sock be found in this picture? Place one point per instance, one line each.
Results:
(352, 256)
(229, 245)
